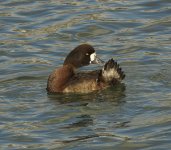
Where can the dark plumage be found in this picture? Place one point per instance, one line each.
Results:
(64, 79)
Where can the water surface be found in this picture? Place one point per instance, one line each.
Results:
(35, 38)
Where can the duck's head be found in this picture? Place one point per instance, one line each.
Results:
(82, 55)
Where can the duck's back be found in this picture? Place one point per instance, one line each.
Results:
(83, 82)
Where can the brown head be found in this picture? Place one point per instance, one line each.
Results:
(82, 55)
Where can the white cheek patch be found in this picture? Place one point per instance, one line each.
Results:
(92, 57)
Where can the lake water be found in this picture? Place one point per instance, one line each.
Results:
(35, 38)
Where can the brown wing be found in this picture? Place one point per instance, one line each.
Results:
(83, 82)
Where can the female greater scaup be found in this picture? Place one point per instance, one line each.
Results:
(65, 79)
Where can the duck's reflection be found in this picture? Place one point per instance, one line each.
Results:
(85, 106)
(82, 121)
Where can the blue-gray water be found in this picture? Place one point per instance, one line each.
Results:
(35, 37)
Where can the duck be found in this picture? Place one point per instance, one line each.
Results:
(67, 78)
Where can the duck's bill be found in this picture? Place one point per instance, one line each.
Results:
(97, 60)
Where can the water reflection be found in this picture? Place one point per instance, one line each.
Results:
(82, 121)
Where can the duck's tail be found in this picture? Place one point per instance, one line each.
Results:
(111, 72)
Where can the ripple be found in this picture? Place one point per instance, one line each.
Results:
(35, 38)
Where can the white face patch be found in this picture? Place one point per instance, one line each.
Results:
(92, 57)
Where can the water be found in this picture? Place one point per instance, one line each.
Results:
(35, 38)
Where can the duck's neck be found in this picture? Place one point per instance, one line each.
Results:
(70, 66)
